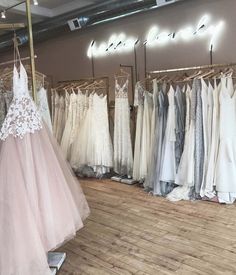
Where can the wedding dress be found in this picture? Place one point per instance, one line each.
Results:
(139, 103)
(225, 179)
(146, 135)
(103, 151)
(185, 173)
(41, 203)
(43, 107)
(70, 125)
(123, 156)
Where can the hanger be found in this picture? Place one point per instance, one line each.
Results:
(194, 75)
(161, 78)
(206, 74)
(121, 74)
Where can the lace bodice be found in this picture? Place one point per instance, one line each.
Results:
(121, 91)
(139, 94)
(20, 82)
(22, 116)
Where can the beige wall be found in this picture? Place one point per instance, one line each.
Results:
(65, 57)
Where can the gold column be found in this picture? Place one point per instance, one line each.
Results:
(31, 45)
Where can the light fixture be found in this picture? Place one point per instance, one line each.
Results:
(36, 2)
(3, 14)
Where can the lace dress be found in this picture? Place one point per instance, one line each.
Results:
(42, 205)
(123, 156)
(146, 135)
(2, 108)
(103, 151)
(56, 112)
(139, 103)
(70, 125)
(149, 181)
(42, 102)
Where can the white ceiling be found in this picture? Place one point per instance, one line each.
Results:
(45, 9)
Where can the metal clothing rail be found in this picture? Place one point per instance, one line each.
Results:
(12, 61)
(30, 34)
(12, 26)
(90, 79)
(192, 68)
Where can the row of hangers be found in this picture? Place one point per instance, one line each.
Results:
(80, 85)
(198, 74)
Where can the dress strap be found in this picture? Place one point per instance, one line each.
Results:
(17, 57)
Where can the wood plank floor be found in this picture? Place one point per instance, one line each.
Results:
(131, 232)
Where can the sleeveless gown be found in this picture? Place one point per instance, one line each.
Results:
(123, 155)
(41, 203)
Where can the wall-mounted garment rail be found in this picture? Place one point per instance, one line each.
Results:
(191, 134)
(81, 124)
(203, 67)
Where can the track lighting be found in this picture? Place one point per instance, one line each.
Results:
(3, 14)
(36, 2)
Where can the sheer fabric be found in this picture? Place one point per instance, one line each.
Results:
(123, 155)
(47, 206)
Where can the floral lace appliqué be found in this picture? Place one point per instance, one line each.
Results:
(22, 118)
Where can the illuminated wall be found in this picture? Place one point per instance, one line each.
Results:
(66, 57)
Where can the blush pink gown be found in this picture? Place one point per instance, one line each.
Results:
(41, 203)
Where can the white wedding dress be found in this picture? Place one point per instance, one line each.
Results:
(123, 155)
(42, 103)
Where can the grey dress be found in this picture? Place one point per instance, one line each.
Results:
(180, 115)
(199, 141)
(162, 119)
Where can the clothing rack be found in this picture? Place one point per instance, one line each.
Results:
(55, 260)
(14, 26)
(12, 61)
(191, 68)
(91, 80)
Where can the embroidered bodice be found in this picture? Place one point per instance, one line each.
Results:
(22, 116)
(121, 91)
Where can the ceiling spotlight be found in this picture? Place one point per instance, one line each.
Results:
(3, 14)
(36, 2)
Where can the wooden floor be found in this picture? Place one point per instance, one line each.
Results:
(131, 232)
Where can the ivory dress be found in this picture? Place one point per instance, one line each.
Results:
(139, 103)
(226, 162)
(70, 125)
(42, 205)
(123, 156)
(208, 189)
(168, 165)
(43, 107)
(146, 135)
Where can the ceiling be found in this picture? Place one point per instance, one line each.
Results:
(46, 9)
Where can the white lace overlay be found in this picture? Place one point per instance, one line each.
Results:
(22, 118)
(123, 155)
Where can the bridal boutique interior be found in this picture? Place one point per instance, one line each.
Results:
(117, 137)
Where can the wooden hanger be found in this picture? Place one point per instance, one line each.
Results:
(121, 74)
(194, 75)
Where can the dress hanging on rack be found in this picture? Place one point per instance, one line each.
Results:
(146, 135)
(42, 205)
(225, 179)
(123, 156)
(139, 103)
(43, 107)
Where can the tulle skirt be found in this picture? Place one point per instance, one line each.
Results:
(41, 203)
